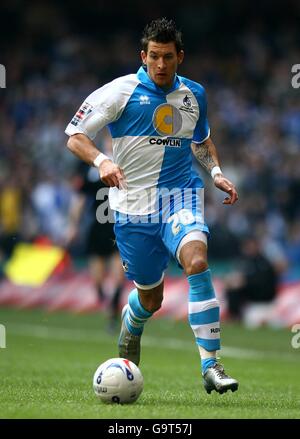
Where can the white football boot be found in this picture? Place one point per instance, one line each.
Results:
(216, 379)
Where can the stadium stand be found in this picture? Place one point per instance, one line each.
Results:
(56, 54)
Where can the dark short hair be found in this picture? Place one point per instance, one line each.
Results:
(162, 30)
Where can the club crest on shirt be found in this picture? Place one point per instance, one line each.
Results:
(187, 104)
(82, 112)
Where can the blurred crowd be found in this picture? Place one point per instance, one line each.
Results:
(56, 56)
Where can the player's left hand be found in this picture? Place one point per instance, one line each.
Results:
(226, 186)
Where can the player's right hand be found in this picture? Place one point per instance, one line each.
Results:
(112, 175)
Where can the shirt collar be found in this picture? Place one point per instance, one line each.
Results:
(145, 79)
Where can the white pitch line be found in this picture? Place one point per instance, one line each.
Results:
(88, 335)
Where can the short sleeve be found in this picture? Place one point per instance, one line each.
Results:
(97, 111)
(102, 107)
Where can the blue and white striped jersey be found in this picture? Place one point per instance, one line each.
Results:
(151, 131)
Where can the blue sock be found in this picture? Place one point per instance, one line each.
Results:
(136, 315)
(206, 363)
(204, 311)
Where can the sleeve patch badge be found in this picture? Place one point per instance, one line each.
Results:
(83, 111)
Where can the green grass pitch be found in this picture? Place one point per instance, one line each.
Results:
(49, 361)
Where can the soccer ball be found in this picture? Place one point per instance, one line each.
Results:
(118, 381)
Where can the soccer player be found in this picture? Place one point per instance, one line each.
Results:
(157, 119)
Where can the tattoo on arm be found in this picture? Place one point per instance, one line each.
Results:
(206, 155)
